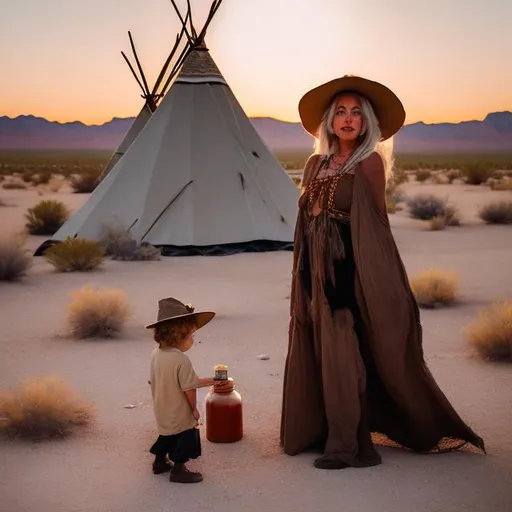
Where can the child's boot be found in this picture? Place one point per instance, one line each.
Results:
(161, 465)
(180, 474)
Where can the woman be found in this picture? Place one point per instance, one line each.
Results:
(355, 360)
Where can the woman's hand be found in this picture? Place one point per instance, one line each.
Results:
(196, 414)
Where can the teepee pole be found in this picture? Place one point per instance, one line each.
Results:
(192, 28)
(213, 9)
(176, 67)
(169, 58)
(146, 93)
(138, 63)
(189, 37)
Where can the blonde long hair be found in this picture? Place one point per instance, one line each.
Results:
(327, 143)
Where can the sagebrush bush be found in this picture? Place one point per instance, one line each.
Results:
(46, 217)
(475, 174)
(55, 184)
(14, 185)
(451, 215)
(15, 260)
(42, 178)
(452, 175)
(437, 223)
(391, 205)
(42, 408)
(423, 175)
(491, 334)
(75, 254)
(435, 288)
(119, 245)
(504, 183)
(398, 177)
(97, 313)
(440, 178)
(499, 212)
(84, 183)
(448, 217)
(425, 206)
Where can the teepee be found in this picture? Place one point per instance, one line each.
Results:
(198, 179)
(151, 96)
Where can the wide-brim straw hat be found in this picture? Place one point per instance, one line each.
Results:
(388, 108)
(172, 309)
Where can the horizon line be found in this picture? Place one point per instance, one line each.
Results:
(505, 111)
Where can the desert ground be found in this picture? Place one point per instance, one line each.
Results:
(107, 467)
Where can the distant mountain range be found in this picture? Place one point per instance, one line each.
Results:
(494, 133)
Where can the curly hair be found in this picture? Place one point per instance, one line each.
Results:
(173, 332)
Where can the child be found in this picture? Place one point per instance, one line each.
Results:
(173, 384)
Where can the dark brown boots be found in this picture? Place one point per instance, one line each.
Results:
(180, 474)
(161, 465)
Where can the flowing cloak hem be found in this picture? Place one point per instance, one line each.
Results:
(422, 418)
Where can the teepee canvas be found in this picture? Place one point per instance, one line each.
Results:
(198, 179)
(134, 130)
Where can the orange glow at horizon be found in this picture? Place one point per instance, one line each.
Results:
(447, 63)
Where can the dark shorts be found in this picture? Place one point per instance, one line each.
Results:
(179, 447)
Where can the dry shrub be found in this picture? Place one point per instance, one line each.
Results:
(42, 178)
(75, 254)
(423, 175)
(42, 408)
(15, 260)
(452, 175)
(100, 313)
(435, 288)
(14, 185)
(475, 174)
(398, 177)
(55, 184)
(504, 183)
(437, 223)
(448, 217)
(391, 205)
(425, 206)
(491, 334)
(499, 212)
(46, 217)
(84, 183)
(440, 178)
(119, 245)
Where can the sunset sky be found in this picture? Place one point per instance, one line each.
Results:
(448, 60)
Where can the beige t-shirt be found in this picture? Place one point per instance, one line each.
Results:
(171, 374)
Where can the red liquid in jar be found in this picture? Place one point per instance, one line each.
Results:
(224, 418)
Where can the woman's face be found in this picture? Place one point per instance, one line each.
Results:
(348, 118)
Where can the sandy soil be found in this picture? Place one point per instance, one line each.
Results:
(107, 467)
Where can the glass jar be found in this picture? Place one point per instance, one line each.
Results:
(224, 417)
(221, 372)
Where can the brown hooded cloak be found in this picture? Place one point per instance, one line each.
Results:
(346, 377)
